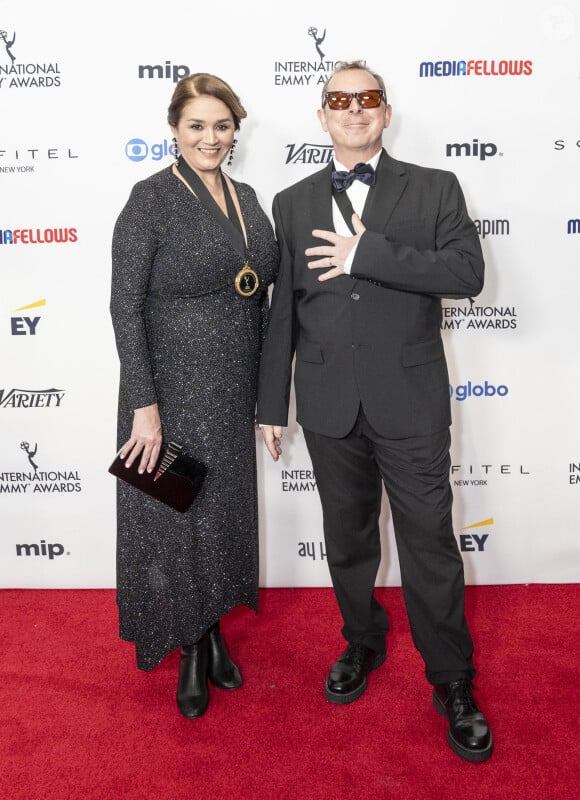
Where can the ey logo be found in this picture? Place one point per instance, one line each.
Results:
(26, 326)
(474, 542)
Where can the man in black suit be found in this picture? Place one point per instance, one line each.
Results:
(361, 311)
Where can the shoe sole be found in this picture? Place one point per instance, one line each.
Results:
(350, 697)
(474, 756)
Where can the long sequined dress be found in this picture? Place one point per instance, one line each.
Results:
(189, 342)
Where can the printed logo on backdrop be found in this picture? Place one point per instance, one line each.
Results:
(312, 68)
(473, 390)
(475, 542)
(462, 316)
(17, 74)
(570, 144)
(138, 150)
(47, 550)
(31, 398)
(480, 475)
(165, 71)
(25, 325)
(27, 159)
(38, 236)
(298, 480)
(574, 476)
(476, 68)
(316, 551)
(30, 475)
(573, 226)
(306, 153)
(474, 149)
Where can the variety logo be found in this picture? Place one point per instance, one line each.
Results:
(49, 551)
(139, 150)
(35, 480)
(306, 73)
(474, 542)
(574, 476)
(26, 326)
(574, 226)
(18, 75)
(38, 236)
(31, 398)
(309, 153)
(492, 227)
(475, 471)
(464, 390)
(166, 71)
(483, 68)
(476, 149)
(476, 317)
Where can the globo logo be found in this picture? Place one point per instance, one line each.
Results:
(470, 389)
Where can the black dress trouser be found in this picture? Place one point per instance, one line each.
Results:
(415, 472)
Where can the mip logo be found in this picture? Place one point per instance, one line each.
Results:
(139, 150)
(8, 44)
(476, 149)
(464, 390)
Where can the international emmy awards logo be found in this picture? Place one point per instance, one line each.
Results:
(26, 447)
(312, 31)
(8, 44)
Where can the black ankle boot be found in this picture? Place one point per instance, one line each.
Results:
(192, 689)
(222, 671)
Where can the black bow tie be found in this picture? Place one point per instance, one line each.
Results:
(362, 172)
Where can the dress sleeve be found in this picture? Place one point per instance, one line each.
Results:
(135, 243)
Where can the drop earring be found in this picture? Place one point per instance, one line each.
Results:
(232, 148)
(176, 149)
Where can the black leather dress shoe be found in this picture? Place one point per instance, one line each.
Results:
(348, 677)
(192, 689)
(469, 735)
(222, 671)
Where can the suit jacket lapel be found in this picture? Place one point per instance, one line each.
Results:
(385, 194)
(321, 187)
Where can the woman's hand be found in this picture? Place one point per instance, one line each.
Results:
(145, 441)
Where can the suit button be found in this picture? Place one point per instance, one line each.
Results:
(355, 296)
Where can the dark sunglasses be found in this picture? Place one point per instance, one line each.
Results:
(369, 98)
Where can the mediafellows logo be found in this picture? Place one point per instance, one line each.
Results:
(138, 150)
(313, 71)
(477, 68)
(309, 153)
(463, 391)
(15, 74)
(38, 236)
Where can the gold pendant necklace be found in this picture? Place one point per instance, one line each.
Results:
(247, 281)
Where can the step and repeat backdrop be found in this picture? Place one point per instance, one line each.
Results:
(488, 90)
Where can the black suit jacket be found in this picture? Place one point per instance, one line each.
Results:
(372, 337)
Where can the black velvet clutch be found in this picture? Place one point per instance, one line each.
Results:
(175, 481)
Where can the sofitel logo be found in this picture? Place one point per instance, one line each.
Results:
(17, 75)
(309, 153)
(305, 73)
(31, 398)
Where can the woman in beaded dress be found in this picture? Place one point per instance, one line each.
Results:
(189, 330)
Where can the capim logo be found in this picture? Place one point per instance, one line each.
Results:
(167, 71)
(447, 69)
(309, 153)
(476, 149)
(464, 390)
(492, 227)
(23, 325)
(139, 150)
(48, 550)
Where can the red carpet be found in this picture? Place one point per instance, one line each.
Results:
(79, 720)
